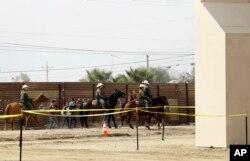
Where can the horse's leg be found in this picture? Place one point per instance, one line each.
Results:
(86, 122)
(159, 117)
(147, 120)
(82, 121)
(109, 118)
(128, 120)
(122, 119)
(5, 124)
(26, 122)
(12, 123)
(35, 118)
(113, 118)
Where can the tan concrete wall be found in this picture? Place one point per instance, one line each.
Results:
(222, 72)
(228, 1)
(210, 80)
(238, 88)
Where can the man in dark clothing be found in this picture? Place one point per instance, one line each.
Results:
(100, 96)
(147, 96)
(24, 98)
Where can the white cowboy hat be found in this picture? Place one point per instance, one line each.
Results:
(25, 86)
(99, 85)
(141, 85)
(145, 82)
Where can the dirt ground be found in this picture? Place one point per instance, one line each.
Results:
(120, 145)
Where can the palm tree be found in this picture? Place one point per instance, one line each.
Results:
(139, 74)
(121, 78)
(98, 75)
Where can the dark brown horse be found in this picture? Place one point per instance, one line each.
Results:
(16, 108)
(157, 107)
(110, 104)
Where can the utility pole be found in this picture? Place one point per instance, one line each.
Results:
(112, 61)
(147, 62)
(47, 69)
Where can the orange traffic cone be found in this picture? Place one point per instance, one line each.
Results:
(104, 129)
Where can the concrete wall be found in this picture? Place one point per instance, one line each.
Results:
(222, 71)
(210, 80)
(228, 1)
(238, 88)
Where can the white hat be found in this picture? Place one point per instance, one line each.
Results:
(99, 85)
(141, 85)
(25, 86)
(145, 82)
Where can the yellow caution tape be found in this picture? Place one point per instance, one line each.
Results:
(202, 115)
(10, 116)
(89, 115)
(192, 107)
(77, 110)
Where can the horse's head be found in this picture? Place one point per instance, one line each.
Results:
(119, 94)
(162, 100)
(41, 98)
(134, 95)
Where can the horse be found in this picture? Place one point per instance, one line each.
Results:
(128, 105)
(158, 103)
(110, 102)
(16, 108)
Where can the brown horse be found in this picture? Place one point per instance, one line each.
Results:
(130, 105)
(133, 103)
(16, 108)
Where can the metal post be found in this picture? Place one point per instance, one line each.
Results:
(147, 62)
(163, 125)
(246, 130)
(137, 135)
(21, 137)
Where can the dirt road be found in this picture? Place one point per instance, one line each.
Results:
(120, 145)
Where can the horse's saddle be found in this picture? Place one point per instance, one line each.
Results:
(94, 102)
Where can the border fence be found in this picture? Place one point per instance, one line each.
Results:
(181, 94)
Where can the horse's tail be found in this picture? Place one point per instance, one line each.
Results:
(7, 112)
(7, 109)
(122, 109)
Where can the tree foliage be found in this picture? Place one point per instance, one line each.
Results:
(22, 77)
(187, 77)
(98, 75)
(137, 75)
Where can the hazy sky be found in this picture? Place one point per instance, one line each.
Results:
(80, 34)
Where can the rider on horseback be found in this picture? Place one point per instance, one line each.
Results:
(24, 98)
(100, 96)
(146, 94)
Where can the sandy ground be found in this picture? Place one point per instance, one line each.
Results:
(120, 145)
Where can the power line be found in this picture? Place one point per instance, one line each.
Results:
(94, 37)
(139, 3)
(29, 46)
(97, 66)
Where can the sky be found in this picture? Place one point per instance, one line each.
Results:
(73, 36)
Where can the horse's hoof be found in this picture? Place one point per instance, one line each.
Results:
(148, 127)
(131, 127)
